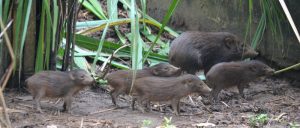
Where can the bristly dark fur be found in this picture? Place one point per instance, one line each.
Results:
(193, 51)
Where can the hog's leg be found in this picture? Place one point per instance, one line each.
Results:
(148, 107)
(133, 102)
(215, 94)
(37, 99)
(140, 104)
(113, 96)
(241, 90)
(67, 103)
(175, 106)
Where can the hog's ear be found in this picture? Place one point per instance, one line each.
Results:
(71, 75)
(155, 71)
(229, 42)
(252, 68)
(187, 81)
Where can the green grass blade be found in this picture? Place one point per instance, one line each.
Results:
(87, 24)
(259, 32)
(165, 21)
(1, 10)
(108, 47)
(5, 11)
(102, 39)
(144, 8)
(95, 7)
(39, 62)
(112, 11)
(47, 8)
(18, 23)
(173, 33)
(134, 44)
(55, 23)
(84, 53)
(81, 62)
(140, 40)
(27, 11)
(48, 34)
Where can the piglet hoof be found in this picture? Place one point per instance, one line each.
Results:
(206, 102)
(148, 110)
(247, 98)
(142, 109)
(115, 106)
(133, 108)
(176, 113)
(216, 108)
(40, 111)
(244, 99)
(66, 111)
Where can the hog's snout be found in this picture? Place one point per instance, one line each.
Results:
(249, 53)
(270, 71)
(88, 80)
(205, 88)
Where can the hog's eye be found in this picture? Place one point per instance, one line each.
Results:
(82, 77)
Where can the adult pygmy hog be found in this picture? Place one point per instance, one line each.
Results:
(192, 51)
(238, 74)
(121, 80)
(58, 84)
(167, 88)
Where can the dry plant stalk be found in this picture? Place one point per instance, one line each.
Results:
(4, 116)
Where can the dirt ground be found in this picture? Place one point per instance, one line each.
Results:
(93, 108)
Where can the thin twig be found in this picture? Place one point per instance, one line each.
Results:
(13, 110)
(7, 26)
(195, 114)
(225, 104)
(59, 99)
(81, 124)
(281, 115)
(292, 97)
(290, 19)
(10, 68)
(192, 100)
(106, 110)
(25, 105)
(109, 59)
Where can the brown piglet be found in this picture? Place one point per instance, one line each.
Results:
(120, 81)
(58, 84)
(167, 89)
(228, 74)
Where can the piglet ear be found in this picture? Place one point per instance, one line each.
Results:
(252, 68)
(71, 75)
(187, 81)
(155, 72)
(229, 42)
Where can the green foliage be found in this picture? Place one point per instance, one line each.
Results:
(95, 7)
(294, 125)
(53, 19)
(165, 21)
(271, 18)
(258, 120)
(167, 123)
(146, 123)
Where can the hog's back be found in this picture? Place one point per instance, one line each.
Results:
(54, 83)
(226, 74)
(160, 89)
(122, 79)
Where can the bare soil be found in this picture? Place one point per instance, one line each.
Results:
(93, 108)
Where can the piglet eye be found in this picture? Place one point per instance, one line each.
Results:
(82, 76)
